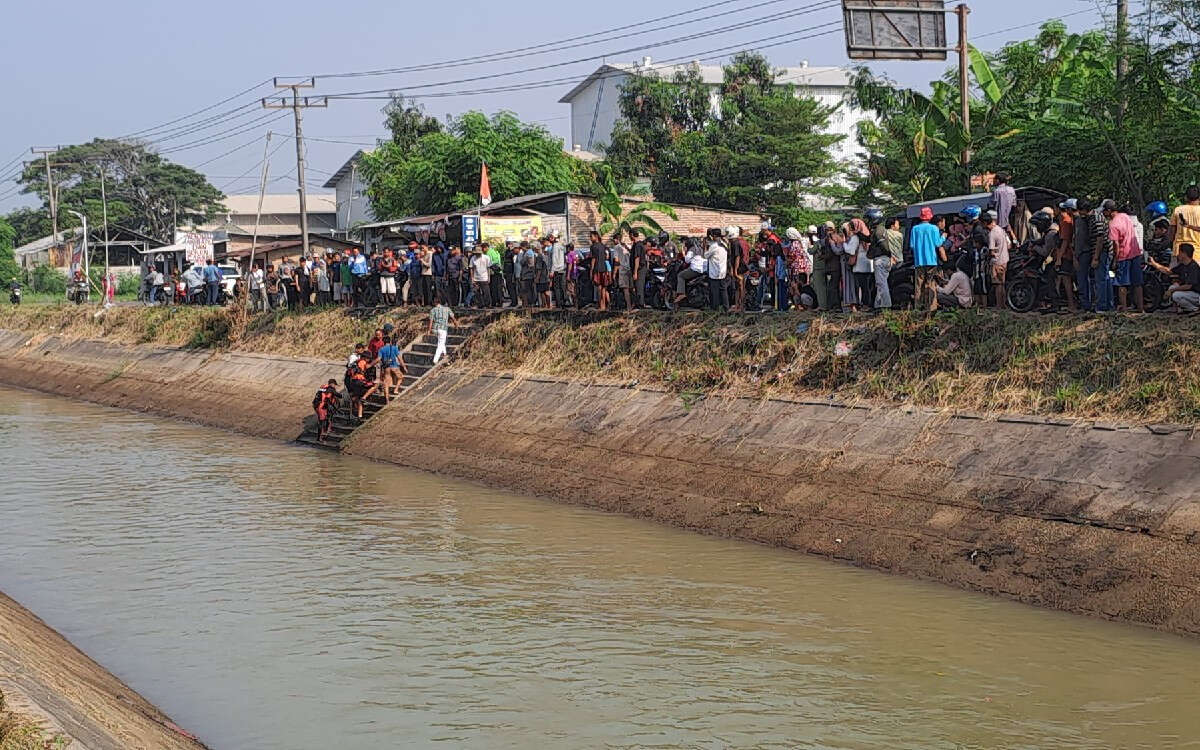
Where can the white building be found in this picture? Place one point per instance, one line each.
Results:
(350, 193)
(280, 214)
(595, 106)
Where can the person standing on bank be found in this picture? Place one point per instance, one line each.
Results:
(601, 268)
(440, 318)
(480, 276)
(717, 258)
(558, 271)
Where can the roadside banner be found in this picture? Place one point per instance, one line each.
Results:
(470, 231)
(197, 246)
(510, 228)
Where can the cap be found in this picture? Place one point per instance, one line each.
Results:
(830, 225)
(1108, 204)
(990, 215)
(812, 229)
(926, 213)
(1070, 204)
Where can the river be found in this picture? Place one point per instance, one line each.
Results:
(269, 596)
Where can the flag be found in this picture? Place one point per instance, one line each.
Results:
(485, 187)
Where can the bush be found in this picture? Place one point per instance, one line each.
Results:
(128, 284)
(48, 279)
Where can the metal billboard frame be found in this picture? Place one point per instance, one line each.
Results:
(895, 29)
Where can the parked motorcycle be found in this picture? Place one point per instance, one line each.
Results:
(14, 293)
(697, 288)
(77, 292)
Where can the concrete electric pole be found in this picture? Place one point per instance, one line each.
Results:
(1122, 38)
(297, 104)
(46, 151)
(964, 90)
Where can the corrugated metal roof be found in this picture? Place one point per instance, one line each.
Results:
(47, 242)
(279, 203)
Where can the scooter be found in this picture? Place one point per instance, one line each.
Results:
(14, 294)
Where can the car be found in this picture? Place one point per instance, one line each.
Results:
(229, 277)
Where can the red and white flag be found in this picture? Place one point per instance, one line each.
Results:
(485, 186)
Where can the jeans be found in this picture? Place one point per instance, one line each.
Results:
(781, 295)
(883, 293)
(1083, 279)
(214, 288)
(1103, 282)
(154, 290)
(558, 284)
(1186, 301)
(718, 294)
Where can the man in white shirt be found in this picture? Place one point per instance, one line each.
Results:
(558, 271)
(717, 258)
(258, 292)
(957, 292)
(480, 276)
(697, 266)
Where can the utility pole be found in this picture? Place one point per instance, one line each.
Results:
(1122, 58)
(262, 190)
(964, 91)
(104, 208)
(298, 103)
(46, 151)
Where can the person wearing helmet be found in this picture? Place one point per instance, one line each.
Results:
(880, 257)
(1156, 209)
(976, 249)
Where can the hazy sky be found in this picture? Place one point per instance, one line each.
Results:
(113, 69)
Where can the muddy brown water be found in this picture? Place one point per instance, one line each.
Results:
(268, 596)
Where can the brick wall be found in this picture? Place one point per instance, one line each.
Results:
(693, 221)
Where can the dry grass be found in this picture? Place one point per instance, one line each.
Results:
(1129, 369)
(19, 734)
(319, 333)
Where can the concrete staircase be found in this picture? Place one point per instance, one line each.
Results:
(418, 358)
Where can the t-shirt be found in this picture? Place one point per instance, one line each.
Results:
(1121, 231)
(599, 252)
(960, 286)
(622, 258)
(1005, 198)
(440, 315)
(1082, 239)
(999, 244)
(479, 268)
(389, 356)
(1188, 274)
(926, 239)
(894, 242)
(1186, 221)
(639, 252)
(718, 260)
(1066, 234)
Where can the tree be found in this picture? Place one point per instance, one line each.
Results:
(8, 263)
(615, 219)
(441, 170)
(29, 224)
(146, 192)
(408, 123)
(763, 150)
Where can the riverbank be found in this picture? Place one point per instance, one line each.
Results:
(52, 692)
(1048, 460)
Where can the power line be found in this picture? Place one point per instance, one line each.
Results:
(197, 112)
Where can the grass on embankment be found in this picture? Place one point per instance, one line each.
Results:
(18, 734)
(323, 333)
(1121, 368)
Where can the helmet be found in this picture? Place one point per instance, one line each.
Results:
(732, 232)
(793, 233)
(1157, 208)
(873, 215)
(970, 212)
(1041, 221)
(663, 238)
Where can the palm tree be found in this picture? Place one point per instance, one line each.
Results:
(614, 218)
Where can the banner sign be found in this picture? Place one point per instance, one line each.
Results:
(470, 231)
(197, 246)
(510, 228)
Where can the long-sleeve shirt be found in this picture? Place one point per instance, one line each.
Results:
(960, 286)
(718, 260)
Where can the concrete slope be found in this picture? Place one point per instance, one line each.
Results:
(1099, 521)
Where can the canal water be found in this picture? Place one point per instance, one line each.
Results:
(268, 596)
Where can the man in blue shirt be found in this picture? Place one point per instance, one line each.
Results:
(359, 269)
(391, 362)
(212, 282)
(926, 241)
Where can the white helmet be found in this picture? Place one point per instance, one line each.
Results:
(732, 231)
(793, 233)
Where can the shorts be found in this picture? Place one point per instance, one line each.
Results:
(604, 278)
(624, 281)
(1066, 267)
(1129, 273)
(542, 287)
(999, 271)
(387, 284)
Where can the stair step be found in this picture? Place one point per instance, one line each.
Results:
(419, 358)
(423, 348)
(310, 439)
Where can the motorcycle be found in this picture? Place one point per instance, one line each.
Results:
(754, 279)
(697, 289)
(77, 292)
(657, 294)
(14, 295)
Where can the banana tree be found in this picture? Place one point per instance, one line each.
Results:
(615, 219)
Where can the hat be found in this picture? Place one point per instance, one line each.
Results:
(1070, 204)
(1108, 204)
(926, 213)
(792, 233)
(830, 225)
(990, 216)
(412, 244)
(812, 229)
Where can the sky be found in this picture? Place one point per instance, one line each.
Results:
(160, 69)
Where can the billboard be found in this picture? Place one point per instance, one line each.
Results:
(510, 228)
(197, 246)
(895, 29)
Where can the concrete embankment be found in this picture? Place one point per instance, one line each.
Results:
(1099, 521)
(49, 683)
(261, 395)
(1079, 516)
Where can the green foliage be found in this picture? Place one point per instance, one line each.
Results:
(47, 279)
(408, 123)
(8, 263)
(30, 224)
(615, 219)
(1050, 114)
(146, 192)
(128, 284)
(441, 169)
(762, 151)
